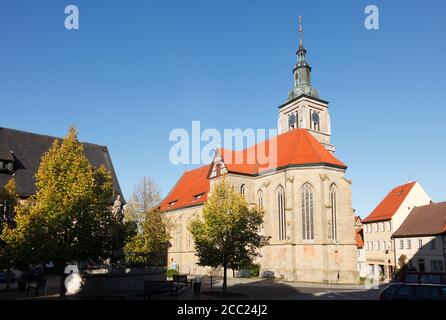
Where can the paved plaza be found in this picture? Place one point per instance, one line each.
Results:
(238, 288)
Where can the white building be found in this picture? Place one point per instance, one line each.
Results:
(421, 240)
(382, 222)
(360, 252)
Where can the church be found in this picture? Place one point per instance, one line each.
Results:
(304, 193)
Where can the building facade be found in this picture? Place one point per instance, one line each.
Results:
(21, 152)
(420, 242)
(359, 237)
(302, 188)
(382, 222)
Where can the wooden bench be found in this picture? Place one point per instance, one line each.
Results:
(166, 287)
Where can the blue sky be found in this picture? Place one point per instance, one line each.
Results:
(135, 70)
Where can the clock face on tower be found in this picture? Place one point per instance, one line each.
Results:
(315, 117)
(292, 120)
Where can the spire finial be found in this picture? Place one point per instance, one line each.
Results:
(300, 32)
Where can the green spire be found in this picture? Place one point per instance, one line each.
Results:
(302, 71)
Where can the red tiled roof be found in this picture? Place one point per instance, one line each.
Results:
(359, 239)
(184, 194)
(390, 204)
(295, 147)
(425, 220)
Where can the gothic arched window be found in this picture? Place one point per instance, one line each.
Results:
(333, 204)
(281, 211)
(307, 212)
(260, 198)
(243, 189)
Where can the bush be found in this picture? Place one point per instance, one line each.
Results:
(254, 270)
(171, 272)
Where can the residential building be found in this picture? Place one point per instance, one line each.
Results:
(21, 152)
(382, 222)
(359, 237)
(420, 241)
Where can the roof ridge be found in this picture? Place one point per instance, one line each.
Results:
(48, 136)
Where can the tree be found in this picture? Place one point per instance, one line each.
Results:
(228, 234)
(9, 199)
(145, 197)
(69, 219)
(402, 262)
(148, 247)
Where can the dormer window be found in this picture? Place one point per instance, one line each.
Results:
(198, 196)
(172, 203)
(6, 166)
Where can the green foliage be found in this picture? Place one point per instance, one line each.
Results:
(69, 218)
(402, 261)
(171, 272)
(148, 246)
(8, 203)
(228, 235)
(254, 270)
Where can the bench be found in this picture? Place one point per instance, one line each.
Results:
(152, 288)
(181, 280)
(38, 284)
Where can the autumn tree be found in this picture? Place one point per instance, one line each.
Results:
(228, 234)
(69, 218)
(8, 203)
(148, 247)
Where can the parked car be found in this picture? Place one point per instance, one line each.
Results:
(413, 291)
(3, 276)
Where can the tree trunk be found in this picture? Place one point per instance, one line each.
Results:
(8, 279)
(62, 289)
(225, 285)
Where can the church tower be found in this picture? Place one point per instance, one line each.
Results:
(304, 108)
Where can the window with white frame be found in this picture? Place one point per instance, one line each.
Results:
(434, 244)
(375, 227)
(401, 244)
(436, 266)
(381, 226)
(384, 246)
(307, 212)
(388, 226)
(420, 243)
(371, 245)
(378, 247)
(409, 244)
